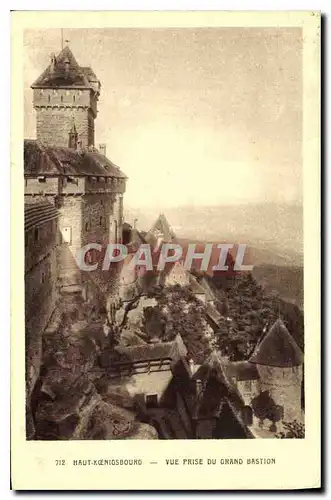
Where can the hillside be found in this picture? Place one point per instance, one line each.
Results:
(285, 281)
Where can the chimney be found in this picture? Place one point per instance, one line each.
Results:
(102, 149)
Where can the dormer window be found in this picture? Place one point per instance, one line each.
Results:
(71, 180)
(42, 179)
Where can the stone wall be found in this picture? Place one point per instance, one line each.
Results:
(41, 186)
(53, 126)
(284, 386)
(40, 300)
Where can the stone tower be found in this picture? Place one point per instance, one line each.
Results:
(63, 167)
(279, 362)
(66, 95)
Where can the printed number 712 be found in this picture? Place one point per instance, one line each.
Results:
(60, 462)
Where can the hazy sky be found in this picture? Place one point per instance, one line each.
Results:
(192, 116)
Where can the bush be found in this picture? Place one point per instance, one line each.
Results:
(292, 430)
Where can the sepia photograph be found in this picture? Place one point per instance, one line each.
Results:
(116, 347)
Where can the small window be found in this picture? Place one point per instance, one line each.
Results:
(42, 179)
(101, 220)
(36, 234)
(43, 277)
(71, 180)
(74, 98)
(66, 235)
(151, 401)
(86, 226)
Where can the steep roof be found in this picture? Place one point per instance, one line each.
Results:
(277, 348)
(37, 214)
(56, 75)
(216, 388)
(161, 227)
(54, 161)
(232, 425)
(150, 352)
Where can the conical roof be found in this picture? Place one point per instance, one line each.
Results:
(277, 348)
(65, 72)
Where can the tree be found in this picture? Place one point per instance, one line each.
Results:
(292, 430)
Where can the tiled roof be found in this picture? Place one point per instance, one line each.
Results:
(277, 348)
(129, 355)
(55, 161)
(37, 214)
(76, 75)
